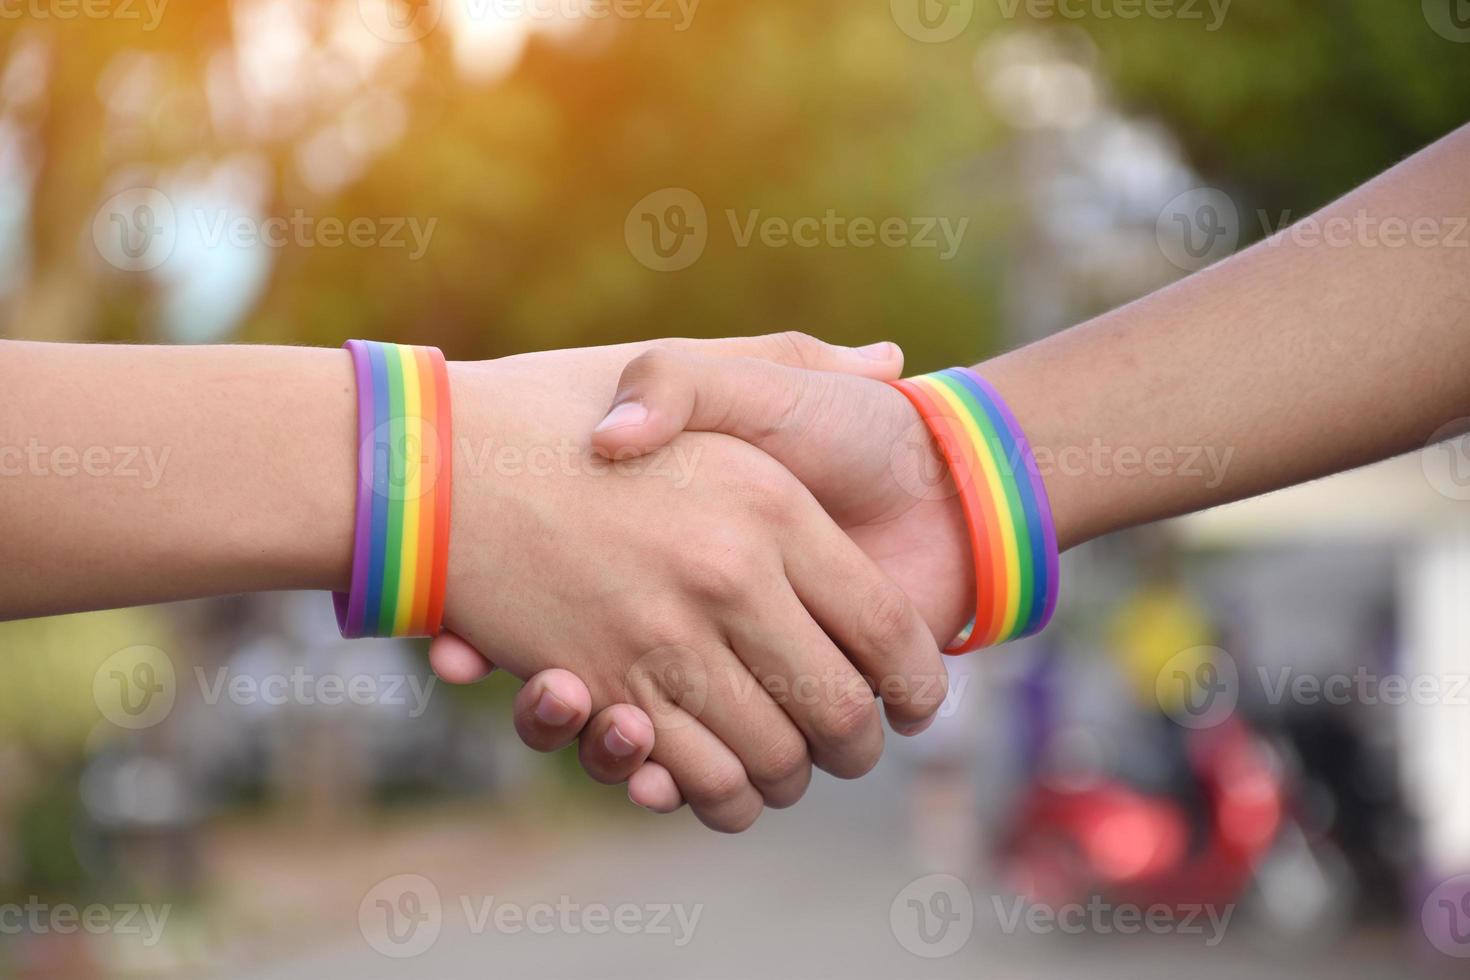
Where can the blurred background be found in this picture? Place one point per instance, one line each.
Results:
(1240, 751)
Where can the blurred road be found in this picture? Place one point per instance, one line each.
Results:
(806, 894)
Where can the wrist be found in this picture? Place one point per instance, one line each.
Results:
(307, 471)
(1074, 503)
(402, 492)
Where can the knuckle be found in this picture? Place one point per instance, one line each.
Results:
(669, 678)
(773, 502)
(794, 347)
(851, 715)
(784, 760)
(719, 786)
(648, 366)
(887, 617)
(721, 572)
(785, 397)
(661, 628)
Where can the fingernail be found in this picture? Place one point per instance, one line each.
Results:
(618, 744)
(552, 710)
(621, 416)
(884, 350)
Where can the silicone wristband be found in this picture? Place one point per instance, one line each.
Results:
(1003, 496)
(400, 552)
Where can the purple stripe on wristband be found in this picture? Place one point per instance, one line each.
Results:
(351, 607)
(1038, 486)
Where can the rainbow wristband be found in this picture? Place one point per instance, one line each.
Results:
(400, 553)
(1004, 499)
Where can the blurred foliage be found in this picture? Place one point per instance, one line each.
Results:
(47, 703)
(792, 108)
(1292, 102)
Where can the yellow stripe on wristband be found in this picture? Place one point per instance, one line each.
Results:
(995, 486)
(413, 456)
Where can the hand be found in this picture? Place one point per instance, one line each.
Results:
(740, 573)
(856, 443)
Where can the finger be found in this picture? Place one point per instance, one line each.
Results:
(807, 675)
(552, 709)
(454, 661)
(718, 733)
(710, 777)
(739, 710)
(871, 619)
(882, 361)
(653, 788)
(664, 392)
(616, 743)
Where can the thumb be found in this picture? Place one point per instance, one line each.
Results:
(665, 392)
(882, 361)
(456, 662)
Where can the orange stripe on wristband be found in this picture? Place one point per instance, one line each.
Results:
(978, 504)
(401, 542)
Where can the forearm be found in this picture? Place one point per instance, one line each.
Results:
(131, 475)
(1293, 360)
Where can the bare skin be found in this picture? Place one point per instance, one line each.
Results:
(1340, 341)
(146, 474)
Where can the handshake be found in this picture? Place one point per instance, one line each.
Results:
(758, 546)
(712, 560)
